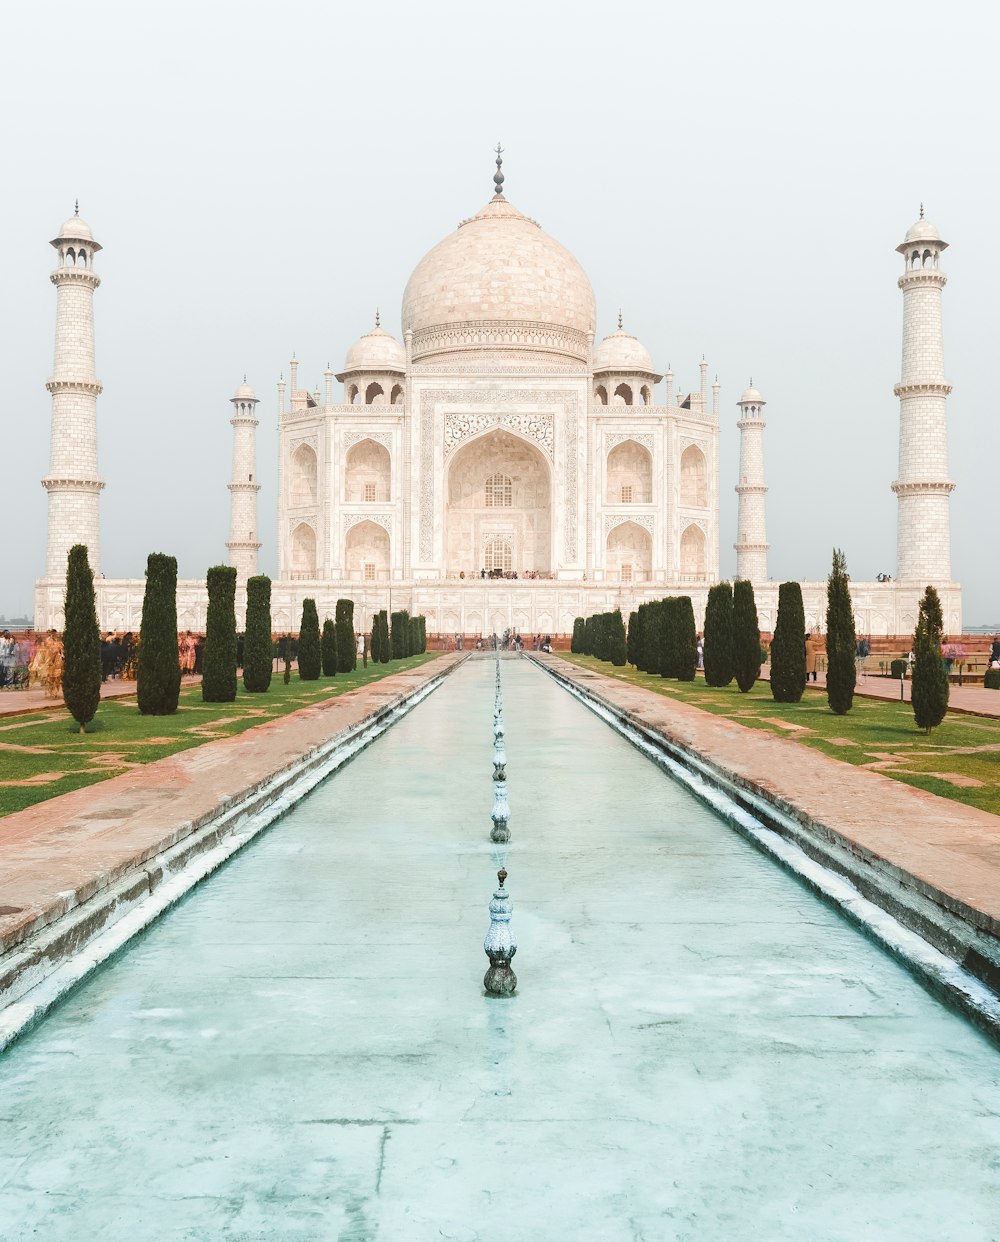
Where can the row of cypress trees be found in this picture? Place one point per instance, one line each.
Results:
(602, 636)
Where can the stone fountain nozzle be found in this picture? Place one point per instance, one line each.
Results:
(500, 945)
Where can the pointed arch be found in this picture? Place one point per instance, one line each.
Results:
(368, 473)
(305, 476)
(692, 559)
(366, 553)
(601, 394)
(623, 395)
(373, 392)
(630, 474)
(396, 396)
(303, 551)
(629, 553)
(694, 477)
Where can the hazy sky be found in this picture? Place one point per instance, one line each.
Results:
(735, 176)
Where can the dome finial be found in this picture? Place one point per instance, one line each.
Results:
(619, 319)
(378, 318)
(498, 175)
(921, 211)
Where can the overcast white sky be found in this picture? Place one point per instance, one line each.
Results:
(735, 176)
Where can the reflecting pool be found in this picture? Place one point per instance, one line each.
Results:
(698, 1048)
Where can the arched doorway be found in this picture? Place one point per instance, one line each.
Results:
(693, 554)
(499, 505)
(630, 474)
(366, 553)
(303, 551)
(367, 474)
(629, 553)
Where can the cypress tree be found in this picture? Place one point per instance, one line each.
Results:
(397, 638)
(685, 639)
(641, 638)
(718, 640)
(632, 640)
(841, 641)
(668, 637)
(218, 682)
(257, 648)
(423, 635)
(158, 674)
(310, 656)
(376, 652)
(574, 644)
(81, 681)
(929, 694)
(788, 648)
(746, 636)
(413, 626)
(655, 639)
(328, 648)
(347, 648)
(600, 638)
(617, 646)
(385, 648)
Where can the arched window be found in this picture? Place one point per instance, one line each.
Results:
(646, 394)
(368, 473)
(623, 395)
(303, 552)
(497, 554)
(396, 396)
(601, 394)
(304, 476)
(499, 492)
(352, 395)
(693, 554)
(694, 478)
(373, 392)
(630, 474)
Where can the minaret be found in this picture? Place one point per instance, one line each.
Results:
(923, 536)
(751, 537)
(72, 483)
(243, 544)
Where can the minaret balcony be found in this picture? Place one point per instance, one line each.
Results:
(930, 388)
(88, 388)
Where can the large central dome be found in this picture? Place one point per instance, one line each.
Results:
(499, 283)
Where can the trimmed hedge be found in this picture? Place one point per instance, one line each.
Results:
(218, 682)
(257, 648)
(718, 644)
(328, 648)
(897, 669)
(788, 649)
(748, 654)
(841, 640)
(158, 673)
(81, 680)
(929, 692)
(347, 648)
(991, 679)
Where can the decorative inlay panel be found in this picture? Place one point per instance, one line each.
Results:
(355, 519)
(310, 441)
(355, 437)
(459, 427)
(611, 520)
(640, 437)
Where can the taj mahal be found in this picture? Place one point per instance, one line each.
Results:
(498, 466)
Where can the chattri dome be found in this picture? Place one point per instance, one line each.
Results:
(751, 396)
(622, 352)
(244, 393)
(375, 351)
(76, 229)
(499, 282)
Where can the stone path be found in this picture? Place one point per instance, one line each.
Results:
(951, 851)
(21, 702)
(973, 699)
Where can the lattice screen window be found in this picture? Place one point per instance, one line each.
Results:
(369, 491)
(499, 492)
(370, 569)
(498, 554)
(626, 493)
(626, 573)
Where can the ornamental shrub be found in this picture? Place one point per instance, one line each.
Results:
(574, 644)
(257, 648)
(328, 648)
(159, 670)
(347, 648)
(423, 634)
(385, 649)
(397, 635)
(897, 669)
(685, 639)
(841, 640)
(414, 636)
(929, 694)
(654, 640)
(991, 679)
(747, 652)
(668, 637)
(788, 648)
(81, 680)
(718, 643)
(218, 682)
(618, 648)
(310, 655)
(642, 619)
(632, 638)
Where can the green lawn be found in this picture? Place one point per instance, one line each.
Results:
(47, 750)
(876, 733)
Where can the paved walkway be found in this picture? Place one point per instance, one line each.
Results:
(951, 851)
(25, 702)
(57, 854)
(975, 700)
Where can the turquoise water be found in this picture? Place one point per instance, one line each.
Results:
(699, 1049)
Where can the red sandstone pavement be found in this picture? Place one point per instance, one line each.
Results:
(59, 853)
(950, 849)
(21, 702)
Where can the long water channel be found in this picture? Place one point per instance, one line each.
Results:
(698, 1049)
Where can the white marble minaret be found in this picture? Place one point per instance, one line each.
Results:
(72, 483)
(751, 532)
(243, 543)
(923, 534)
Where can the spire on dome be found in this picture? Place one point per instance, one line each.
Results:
(921, 211)
(619, 319)
(76, 208)
(378, 318)
(498, 175)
